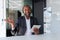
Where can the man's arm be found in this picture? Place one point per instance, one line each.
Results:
(15, 29)
(36, 30)
(13, 26)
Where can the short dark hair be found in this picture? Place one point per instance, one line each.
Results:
(26, 6)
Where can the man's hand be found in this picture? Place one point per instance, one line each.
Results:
(36, 31)
(10, 21)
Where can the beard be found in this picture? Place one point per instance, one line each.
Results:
(27, 15)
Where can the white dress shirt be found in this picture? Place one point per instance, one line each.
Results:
(28, 31)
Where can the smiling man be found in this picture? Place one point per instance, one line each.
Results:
(24, 23)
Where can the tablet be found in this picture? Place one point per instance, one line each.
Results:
(35, 26)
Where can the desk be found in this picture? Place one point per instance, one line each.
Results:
(50, 36)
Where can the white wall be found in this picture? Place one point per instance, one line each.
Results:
(55, 21)
(2, 17)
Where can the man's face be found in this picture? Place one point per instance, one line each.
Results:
(27, 11)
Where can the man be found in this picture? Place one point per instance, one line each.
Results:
(24, 23)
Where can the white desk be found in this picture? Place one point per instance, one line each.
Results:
(51, 36)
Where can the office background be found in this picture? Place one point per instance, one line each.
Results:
(55, 25)
(14, 9)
